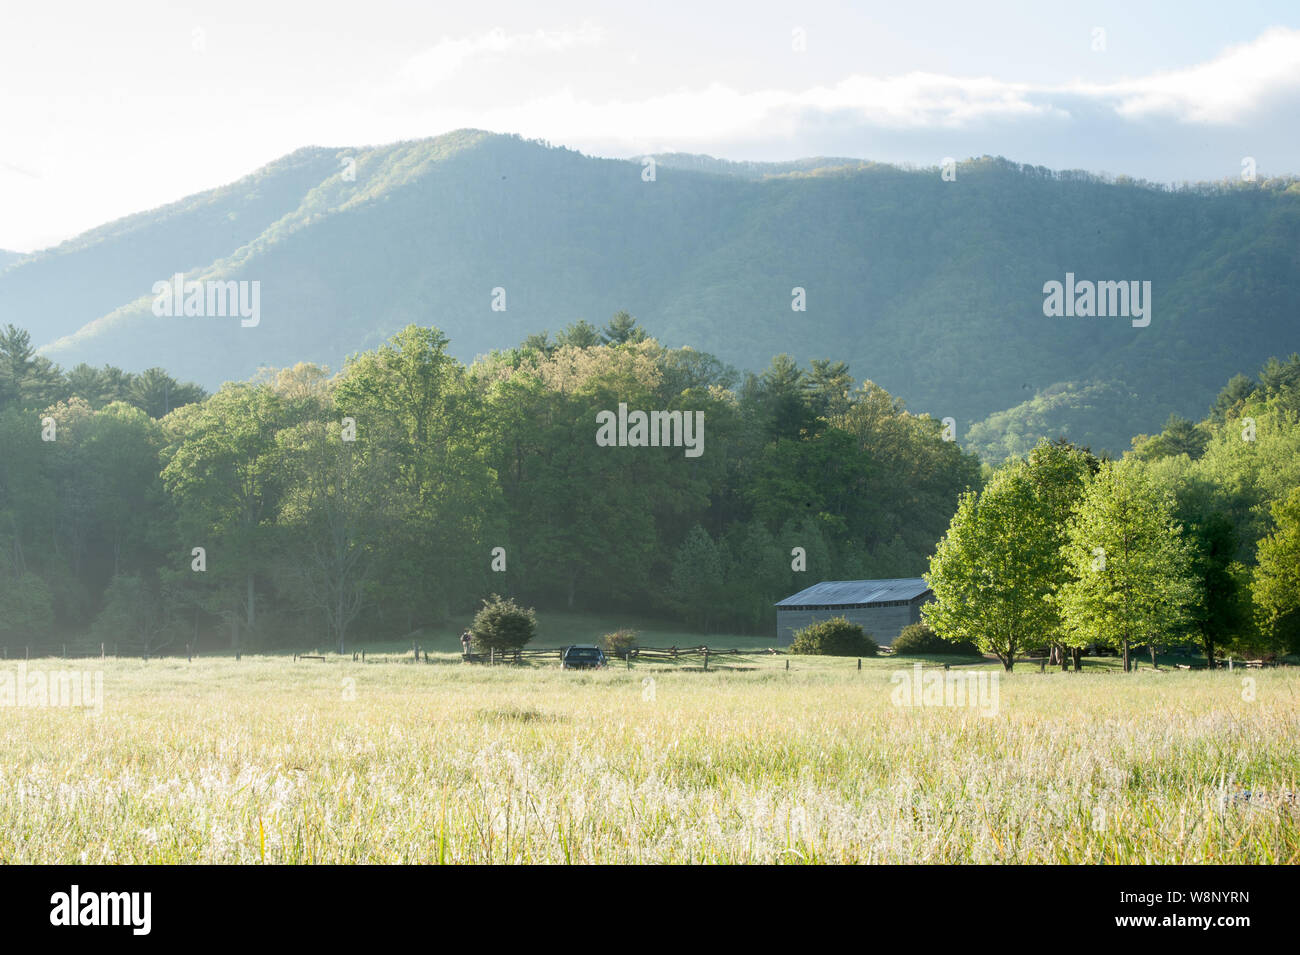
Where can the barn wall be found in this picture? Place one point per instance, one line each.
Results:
(883, 624)
(916, 606)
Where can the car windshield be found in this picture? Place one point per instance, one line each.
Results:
(584, 654)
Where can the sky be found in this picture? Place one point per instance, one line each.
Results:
(110, 109)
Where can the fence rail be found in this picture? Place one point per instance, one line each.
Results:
(102, 651)
(701, 650)
(420, 654)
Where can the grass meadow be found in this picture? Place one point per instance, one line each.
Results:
(268, 760)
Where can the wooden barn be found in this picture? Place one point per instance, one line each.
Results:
(882, 607)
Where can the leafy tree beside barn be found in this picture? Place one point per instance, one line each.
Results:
(1000, 563)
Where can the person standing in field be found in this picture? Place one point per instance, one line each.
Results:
(465, 639)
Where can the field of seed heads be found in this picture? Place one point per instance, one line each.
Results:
(268, 760)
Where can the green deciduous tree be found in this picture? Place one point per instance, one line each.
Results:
(336, 517)
(138, 614)
(1132, 574)
(224, 474)
(1277, 577)
(993, 572)
(696, 584)
(26, 608)
(420, 422)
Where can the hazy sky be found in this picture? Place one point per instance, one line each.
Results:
(111, 108)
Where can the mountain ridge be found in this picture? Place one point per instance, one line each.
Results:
(931, 288)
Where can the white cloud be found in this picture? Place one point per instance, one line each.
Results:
(1227, 89)
(6, 167)
(573, 85)
(450, 55)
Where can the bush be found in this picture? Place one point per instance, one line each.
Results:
(833, 638)
(917, 638)
(620, 642)
(503, 625)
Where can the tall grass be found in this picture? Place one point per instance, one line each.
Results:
(268, 760)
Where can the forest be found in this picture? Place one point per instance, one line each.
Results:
(305, 508)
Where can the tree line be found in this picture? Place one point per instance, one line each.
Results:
(304, 507)
(1192, 537)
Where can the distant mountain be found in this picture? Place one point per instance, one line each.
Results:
(932, 288)
(1084, 412)
(749, 170)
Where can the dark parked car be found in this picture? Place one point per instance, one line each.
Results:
(582, 656)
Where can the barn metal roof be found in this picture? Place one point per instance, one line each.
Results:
(830, 592)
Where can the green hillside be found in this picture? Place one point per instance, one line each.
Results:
(933, 289)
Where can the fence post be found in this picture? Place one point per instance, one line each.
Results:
(492, 657)
(363, 656)
(706, 658)
(787, 666)
(859, 663)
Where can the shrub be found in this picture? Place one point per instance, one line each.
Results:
(833, 638)
(503, 625)
(917, 638)
(620, 642)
